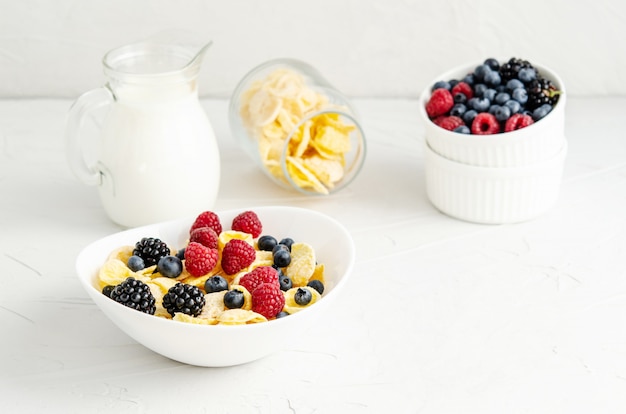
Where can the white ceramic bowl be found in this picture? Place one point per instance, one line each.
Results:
(533, 144)
(493, 195)
(218, 345)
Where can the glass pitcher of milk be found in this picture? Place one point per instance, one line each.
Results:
(156, 156)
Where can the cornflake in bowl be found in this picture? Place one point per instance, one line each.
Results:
(220, 336)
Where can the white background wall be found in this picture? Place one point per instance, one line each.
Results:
(382, 48)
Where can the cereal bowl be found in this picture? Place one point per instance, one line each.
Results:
(223, 345)
(535, 143)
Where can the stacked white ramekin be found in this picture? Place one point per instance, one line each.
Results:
(501, 178)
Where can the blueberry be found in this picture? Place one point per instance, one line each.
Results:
(481, 71)
(502, 97)
(282, 258)
(541, 112)
(170, 266)
(181, 254)
(527, 75)
(469, 115)
(492, 79)
(514, 84)
(215, 284)
(441, 85)
(302, 297)
(317, 285)
(453, 82)
(458, 110)
(514, 106)
(459, 98)
(469, 79)
(520, 95)
(285, 282)
(135, 263)
(492, 63)
(233, 299)
(493, 108)
(267, 243)
(462, 129)
(278, 270)
(490, 94)
(479, 104)
(502, 113)
(479, 90)
(287, 241)
(282, 314)
(279, 247)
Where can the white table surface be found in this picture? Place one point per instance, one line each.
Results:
(441, 316)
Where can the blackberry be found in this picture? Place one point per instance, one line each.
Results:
(184, 298)
(510, 70)
(134, 294)
(151, 249)
(541, 91)
(106, 291)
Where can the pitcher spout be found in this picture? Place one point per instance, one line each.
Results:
(168, 52)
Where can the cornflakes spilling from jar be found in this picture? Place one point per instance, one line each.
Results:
(229, 277)
(296, 124)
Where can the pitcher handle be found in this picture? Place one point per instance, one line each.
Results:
(87, 102)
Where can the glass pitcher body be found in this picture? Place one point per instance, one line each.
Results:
(157, 156)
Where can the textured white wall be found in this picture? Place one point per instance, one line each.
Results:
(383, 48)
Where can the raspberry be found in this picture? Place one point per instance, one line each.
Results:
(237, 255)
(259, 275)
(517, 121)
(207, 219)
(463, 88)
(199, 259)
(268, 300)
(485, 123)
(440, 103)
(248, 222)
(448, 122)
(206, 236)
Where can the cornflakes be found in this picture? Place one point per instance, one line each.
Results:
(275, 110)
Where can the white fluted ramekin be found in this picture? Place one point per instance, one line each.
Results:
(493, 195)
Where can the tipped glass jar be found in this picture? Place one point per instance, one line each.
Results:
(302, 132)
